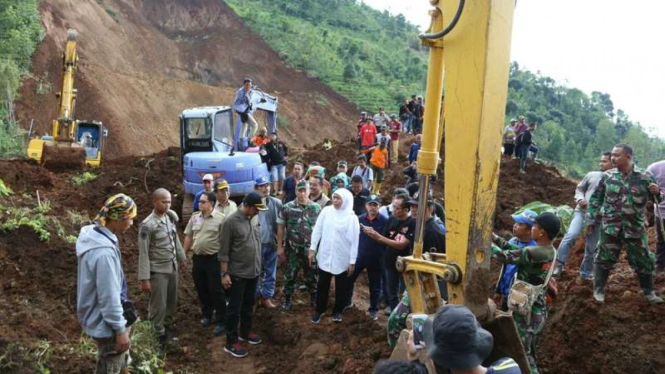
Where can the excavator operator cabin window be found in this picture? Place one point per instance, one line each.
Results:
(198, 128)
(222, 127)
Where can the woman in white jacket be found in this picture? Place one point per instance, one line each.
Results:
(335, 234)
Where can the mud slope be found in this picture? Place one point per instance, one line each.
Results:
(142, 62)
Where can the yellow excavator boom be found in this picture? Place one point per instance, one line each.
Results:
(474, 36)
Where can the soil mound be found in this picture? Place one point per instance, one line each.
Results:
(142, 62)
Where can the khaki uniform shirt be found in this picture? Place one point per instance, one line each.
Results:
(205, 232)
(159, 246)
(230, 207)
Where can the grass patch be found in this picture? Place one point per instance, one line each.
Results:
(5, 190)
(83, 179)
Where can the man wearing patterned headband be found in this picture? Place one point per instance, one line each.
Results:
(101, 288)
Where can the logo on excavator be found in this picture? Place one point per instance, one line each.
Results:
(214, 175)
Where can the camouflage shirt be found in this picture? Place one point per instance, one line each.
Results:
(299, 222)
(533, 262)
(618, 202)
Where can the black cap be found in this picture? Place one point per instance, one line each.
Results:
(373, 199)
(550, 223)
(454, 338)
(255, 199)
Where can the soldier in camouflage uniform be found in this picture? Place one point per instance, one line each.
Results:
(618, 206)
(533, 266)
(295, 223)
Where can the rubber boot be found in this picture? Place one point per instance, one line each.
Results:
(600, 275)
(287, 305)
(646, 283)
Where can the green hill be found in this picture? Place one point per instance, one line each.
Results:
(375, 59)
(371, 57)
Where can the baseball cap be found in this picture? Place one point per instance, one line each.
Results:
(341, 163)
(550, 223)
(454, 338)
(208, 177)
(393, 115)
(260, 181)
(527, 217)
(374, 199)
(302, 184)
(255, 199)
(221, 184)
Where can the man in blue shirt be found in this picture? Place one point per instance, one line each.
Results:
(370, 255)
(242, 104)
(415, 147)
(522, 238)
(208, 181)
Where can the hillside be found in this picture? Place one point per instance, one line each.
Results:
(141, 63)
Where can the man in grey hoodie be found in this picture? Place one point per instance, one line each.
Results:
(101, 286)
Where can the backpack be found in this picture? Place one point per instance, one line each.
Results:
(523, 294)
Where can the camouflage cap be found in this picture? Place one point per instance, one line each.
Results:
(302, 185)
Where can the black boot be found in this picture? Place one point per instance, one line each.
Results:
(312, 299)
(163, 341)
(646, 283)
(287, 305)
(600, 275)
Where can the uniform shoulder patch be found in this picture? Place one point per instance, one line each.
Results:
(144, 232)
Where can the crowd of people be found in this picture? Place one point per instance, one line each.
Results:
(338, 228)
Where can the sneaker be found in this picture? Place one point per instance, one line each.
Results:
(387, 311)
(581, 279)
(219, 330)
(373, 315)
(337, 317)
(267, 303)
(235, 350)
(252, 338)
(205, 322)
(652, 298)
(599, 297)
(348, 306)
(316, 318)
(522, 171)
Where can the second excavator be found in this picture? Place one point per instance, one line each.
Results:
(73, 143)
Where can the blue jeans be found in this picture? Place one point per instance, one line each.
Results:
(406, 124)
(277, 173)
(395, 283)
(265, 287)
(590, 243)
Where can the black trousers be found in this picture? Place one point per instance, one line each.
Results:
(508, 149)
(374, 269)
(323, 290)
(208, 283)
(240, 311)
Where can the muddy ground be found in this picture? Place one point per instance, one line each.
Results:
(38, 287)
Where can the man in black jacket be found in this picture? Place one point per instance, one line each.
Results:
(277, 153)
(523, 143)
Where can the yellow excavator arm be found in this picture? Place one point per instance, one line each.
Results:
(64, 128)
(474, 37)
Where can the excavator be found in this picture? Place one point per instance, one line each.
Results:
(73, 143)
(465, 104)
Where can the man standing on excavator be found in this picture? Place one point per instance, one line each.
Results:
(244, 107)
(618, 206)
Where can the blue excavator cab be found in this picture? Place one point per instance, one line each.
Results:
(211, 146)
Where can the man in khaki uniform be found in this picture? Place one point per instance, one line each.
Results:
(203, 236)
(159, 252)
(224, 204)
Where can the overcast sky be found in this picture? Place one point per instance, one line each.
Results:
(612, 46)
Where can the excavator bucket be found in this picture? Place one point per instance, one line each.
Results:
(63, 158)
(507, 341)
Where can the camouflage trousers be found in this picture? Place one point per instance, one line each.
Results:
(109, 361)
(639, 257)
(397, 320)
(296, 259)
(529, 331)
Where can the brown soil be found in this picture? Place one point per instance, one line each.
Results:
(142, 62)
